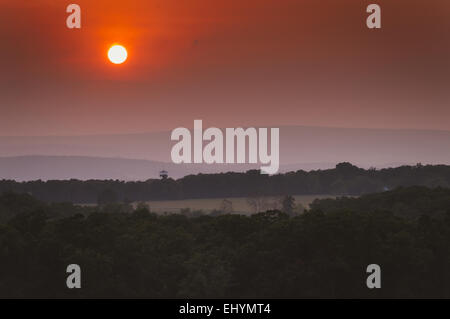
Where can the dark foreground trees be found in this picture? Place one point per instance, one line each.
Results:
(322, 253)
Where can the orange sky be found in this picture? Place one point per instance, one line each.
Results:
(230, 63)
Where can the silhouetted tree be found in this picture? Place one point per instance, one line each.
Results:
(288, 205)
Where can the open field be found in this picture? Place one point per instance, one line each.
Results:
(241, 205)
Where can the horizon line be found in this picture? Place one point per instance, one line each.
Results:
(242, 126)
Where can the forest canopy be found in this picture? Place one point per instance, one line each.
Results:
(323, 253)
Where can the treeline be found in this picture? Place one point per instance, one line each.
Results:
(322, 253)
(409, 202)
(345, 179)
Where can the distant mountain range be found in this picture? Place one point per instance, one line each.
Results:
(26, 168)
(142, 156)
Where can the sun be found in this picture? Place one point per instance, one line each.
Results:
(117, 54)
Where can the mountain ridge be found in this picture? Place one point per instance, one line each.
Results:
(300, 147)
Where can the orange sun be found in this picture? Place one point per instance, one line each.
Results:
(117, 54)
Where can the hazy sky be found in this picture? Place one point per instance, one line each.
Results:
(230, 63)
